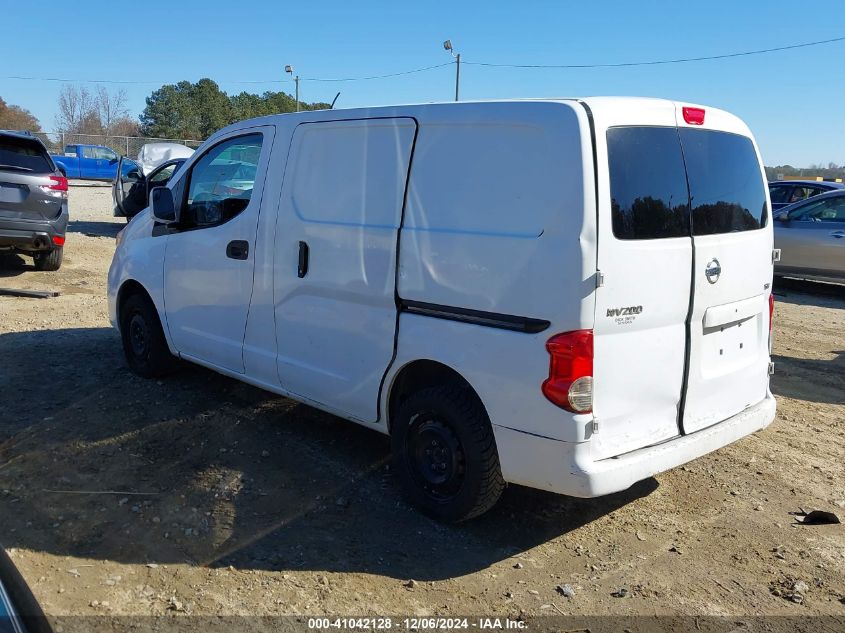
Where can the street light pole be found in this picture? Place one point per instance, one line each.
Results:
(457, 75)
(448, 46)
(289, 70)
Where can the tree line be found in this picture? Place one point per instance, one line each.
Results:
(183, 110)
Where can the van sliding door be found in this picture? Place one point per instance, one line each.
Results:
(335, 260)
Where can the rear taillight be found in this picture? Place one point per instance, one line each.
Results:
(570, 381)
(61, 183)
(694, 116)
(58, 188)
(59, 240)
(771, 311)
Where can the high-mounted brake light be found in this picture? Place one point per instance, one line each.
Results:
(570, 381)
(694, 116)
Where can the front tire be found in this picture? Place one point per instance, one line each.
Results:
(51, 260)
(445, 454)
(143, 338)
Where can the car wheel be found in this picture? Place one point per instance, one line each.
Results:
(143, 339)
(445, 454)
(51, 260)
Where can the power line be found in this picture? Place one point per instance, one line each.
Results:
(681, 60)
(406, 72)
(238, 81)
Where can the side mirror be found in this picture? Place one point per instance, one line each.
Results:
(782, 216)
(161, 203)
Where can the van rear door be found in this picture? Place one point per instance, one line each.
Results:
(732, 261)
(684, 255)
(645, 260)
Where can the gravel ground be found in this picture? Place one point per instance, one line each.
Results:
(198, 494)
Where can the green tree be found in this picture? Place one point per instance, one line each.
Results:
(195, 111)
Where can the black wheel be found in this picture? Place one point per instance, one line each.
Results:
(50, 260)
(143, 339)
(445, 454)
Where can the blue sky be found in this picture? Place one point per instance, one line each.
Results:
(792, 100)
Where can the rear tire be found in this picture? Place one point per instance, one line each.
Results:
(445, 454)
(50, 260)
(143, 338)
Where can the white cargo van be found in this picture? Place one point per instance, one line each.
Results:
(571, 295)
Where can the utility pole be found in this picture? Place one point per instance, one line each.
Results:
(289, 70)
(448, 46)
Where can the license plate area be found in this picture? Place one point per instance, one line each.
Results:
(729, 347)
(11, 193)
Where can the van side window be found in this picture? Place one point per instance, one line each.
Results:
(726, 186)
(648, 188)
(221, 181)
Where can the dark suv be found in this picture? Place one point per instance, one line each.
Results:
(33, 200)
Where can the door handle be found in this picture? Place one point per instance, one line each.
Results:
(237, 249)
(302, 268)
(838, 234)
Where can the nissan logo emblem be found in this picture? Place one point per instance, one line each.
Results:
(713, 270)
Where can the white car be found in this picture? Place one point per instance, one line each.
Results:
(571, 295)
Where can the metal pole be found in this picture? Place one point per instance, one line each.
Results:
(127, 146)
(297, 93)
(457, 75)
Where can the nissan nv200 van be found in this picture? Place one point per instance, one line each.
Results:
(571, 295)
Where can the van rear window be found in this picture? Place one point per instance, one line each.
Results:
(648, 188)
(658, 173)
(727, 190)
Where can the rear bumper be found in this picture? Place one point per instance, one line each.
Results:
(567, 468)
(32, 235)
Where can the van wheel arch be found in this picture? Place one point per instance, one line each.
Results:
(129, 288)
(418, 375)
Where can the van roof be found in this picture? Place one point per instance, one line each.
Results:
(601, 103)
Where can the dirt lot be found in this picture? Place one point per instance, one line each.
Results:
(198, 494)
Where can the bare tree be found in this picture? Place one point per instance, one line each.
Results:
(75, 108)
(111, 107)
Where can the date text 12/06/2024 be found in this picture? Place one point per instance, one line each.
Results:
(415, 624)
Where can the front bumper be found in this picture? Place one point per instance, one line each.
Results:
(33, 235)
(567, 467)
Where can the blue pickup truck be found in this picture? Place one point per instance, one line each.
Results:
(88, 162)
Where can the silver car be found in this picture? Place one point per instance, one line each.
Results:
(811, 237)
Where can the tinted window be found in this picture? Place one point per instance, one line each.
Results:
(727, 191)
(23, 155)
(221, 181)
(779, 195)
(648, 187)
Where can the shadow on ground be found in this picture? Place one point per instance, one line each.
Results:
(95, 229)
(199, 468)
(815, 293)
(12, 265)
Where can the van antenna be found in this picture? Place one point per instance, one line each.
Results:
(331, 107)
